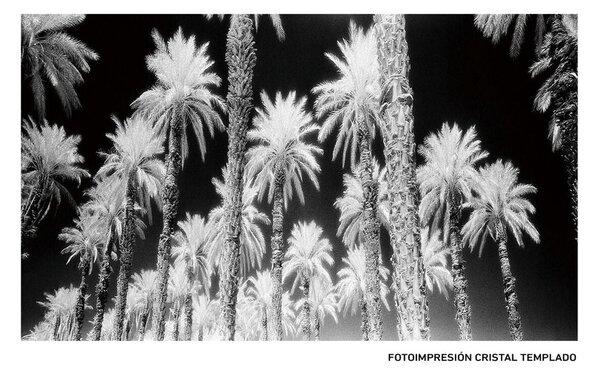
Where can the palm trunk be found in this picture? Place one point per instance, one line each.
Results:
(143, 322)
(317, 327)
(370, 233)
(125, 257)
(264, 325)
(459, 280)
(200, 333)
(563, 54)
(80, 308)
(170, 197)
(55, 329)
(187, 304)
(364, 325)
(30, 213)
(410, 293)
(305, 308)
(240, 57)
(102, 292)
(510, 286)
(277, 257)
(176, 318)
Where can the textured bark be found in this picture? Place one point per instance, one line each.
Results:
(55, 329)
(277, 258)
(170, 198)
(510, 286)
(305, 284)
(30, 212)
(80, 307)
(200, 333)
(102, 292)
(143, 322)
(364, 325)
(264, 324)
(410, 295)
(125, 257)
(459, 280)
(317, 326)
(187, 304)
(176, 318)
(241, 58)
(370, 234)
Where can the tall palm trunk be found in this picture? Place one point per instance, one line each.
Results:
(80, 307)
(364, 325)
(143, 323)
(370, 233)
(459, 280)
(125, 257)
(510, 286)
(305, 308)
(170, 198)
(277, 257)
(30, 213)
(241, 58)
(399, 151)
(264, 324)
(102, 291)
(187, 304)
(176, 319)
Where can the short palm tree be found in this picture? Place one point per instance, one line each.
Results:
(352, 101)
(308, 258)
(435, 259)
(500, 206)
(259, 289)
(277, 162)
(182, 98)
(446, 182)
(206, 312)
(178, 288)
(134, 164)
(49, 54)
(61, 309)
(84, 240)
(144, 283)
(192, 241)
(49, 158)
(252, 241)
(323, 302)
(351, 286)
(240, 56)
(351, 204)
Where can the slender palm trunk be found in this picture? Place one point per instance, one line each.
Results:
(143, 323)
(125, 258)
(459, 280)
(277, 257)
(102, 292)
(364, 325)
(55, 329)
(200, 332)
(241, 58)
(30, 213)
(370, 233)
(80, 307)
(510, 286)
(264, 324)
(408, 276)
(317, 326)
(176, 318)
(305, 308)
(170, 198)
(187, 304)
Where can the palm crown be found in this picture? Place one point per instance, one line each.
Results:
(191, 246)
(252, 240)
(354, 96)
(448, 174)
(500, 200)
(85, 239)
(48, 53)
(351, 204)
(323, 300)
(435, 260)
(280, 132)
(184, 88)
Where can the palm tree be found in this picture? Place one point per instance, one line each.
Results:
(49, 158)
(144, 284)
(353, 101)
(48, 53)
(446, 182)
(84, 240)
(435, 259)
(396, 108)
(240, 56)
(351, 204)
(178, 289)
(191, 249)
(252, 241)
(61, 307)
(276, 164)
(500, 206)
(308, 258)
(259, 289)
(323, 302)
(182, 98)
(134, 163)
(107, 329)
(206, 312)
(556, 40)
(351, 286)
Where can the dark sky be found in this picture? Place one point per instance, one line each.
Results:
(457, 76)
